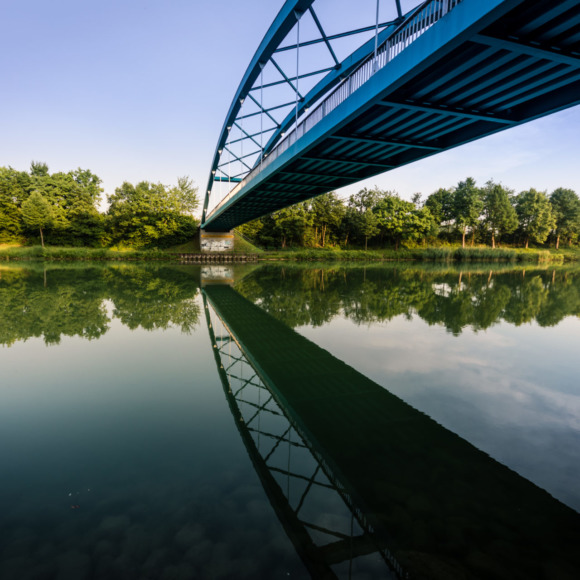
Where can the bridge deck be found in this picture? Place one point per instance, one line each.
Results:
(485, 67)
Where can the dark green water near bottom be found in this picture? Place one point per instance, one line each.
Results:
(378, 421)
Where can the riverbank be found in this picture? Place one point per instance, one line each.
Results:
(534, 256)
(451, 254)
(55, 253)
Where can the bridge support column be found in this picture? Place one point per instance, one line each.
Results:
(216, 241)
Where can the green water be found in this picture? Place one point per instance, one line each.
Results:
(378, 421)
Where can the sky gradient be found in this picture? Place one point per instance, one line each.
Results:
(138, 90)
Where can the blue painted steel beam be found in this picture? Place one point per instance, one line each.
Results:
(509, 94)
(521, 47)
(412, 106)
(239, 157)
(347, 161)
(331, 80)
(253, 135)
(285, 76)
(282, 25)
(557, 10)
(455, 72)
(267, 113)
(292, 103)
(371, 140)
(334, 36)
(324, 37)
(290, 79)
(311, 174)
(235, 158)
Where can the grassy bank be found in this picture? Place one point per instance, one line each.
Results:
(440, 255)
(54, 253)
(429, 255)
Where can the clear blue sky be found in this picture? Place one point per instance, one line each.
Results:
(138, 90)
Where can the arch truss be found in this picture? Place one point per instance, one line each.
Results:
(306, 53)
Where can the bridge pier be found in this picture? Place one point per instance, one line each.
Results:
(212, 242)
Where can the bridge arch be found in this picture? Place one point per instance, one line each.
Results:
(445, 73)
(283, 28)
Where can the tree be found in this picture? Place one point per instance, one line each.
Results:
(38, 169)
(38, 213)
(499, 215)
(291, 223)
(400, 220)
(359, 221)
(327, 212)
(535, 215)
(365, 200)
(252, 230)
(440, 204)
(149, 213)
(566, 211)
(467, 206)
(77, 193)
(184, 196)
(14, 188)
(363, 225)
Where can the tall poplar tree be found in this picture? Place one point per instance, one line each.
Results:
(499, 215)
(535, 215)
(467, 206)
(566, 210)
(38, 213)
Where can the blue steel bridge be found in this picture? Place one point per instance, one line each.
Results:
(334, 96)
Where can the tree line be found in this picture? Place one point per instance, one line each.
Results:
(465, 213)
(63, 209)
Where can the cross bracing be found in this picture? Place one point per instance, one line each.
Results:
(306, 44)
(444, 74)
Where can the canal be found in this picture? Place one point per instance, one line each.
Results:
(289, 421)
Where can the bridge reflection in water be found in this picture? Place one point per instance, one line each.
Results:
(364, 484)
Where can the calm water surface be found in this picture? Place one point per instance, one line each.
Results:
(379, 421)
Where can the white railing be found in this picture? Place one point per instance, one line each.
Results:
(420, 21)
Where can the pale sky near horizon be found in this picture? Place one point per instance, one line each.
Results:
(138, 90)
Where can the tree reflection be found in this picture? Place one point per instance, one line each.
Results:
(73, 301)
(451, 298)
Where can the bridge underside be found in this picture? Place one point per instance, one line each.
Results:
(480, 71)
